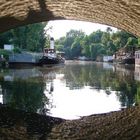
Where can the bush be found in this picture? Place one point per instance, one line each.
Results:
(5, 53)
(17, 50)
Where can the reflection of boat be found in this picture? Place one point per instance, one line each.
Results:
(127, 70)
(50, 56)
(13, 74)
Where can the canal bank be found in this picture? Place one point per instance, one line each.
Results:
(19, 125)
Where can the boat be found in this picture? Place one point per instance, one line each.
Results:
(123, 56)
(128, 59)
(47, 57)
(50, 57)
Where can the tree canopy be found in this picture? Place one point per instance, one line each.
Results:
(30, 37)
(99, 43)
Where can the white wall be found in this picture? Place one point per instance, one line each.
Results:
(8, 47)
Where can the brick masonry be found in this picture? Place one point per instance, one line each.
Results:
(123, 14)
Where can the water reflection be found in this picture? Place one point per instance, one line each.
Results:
(23, 89)
(71, 91)
(108, 78)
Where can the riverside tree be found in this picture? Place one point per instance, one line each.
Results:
(30, 37)
(98, 43)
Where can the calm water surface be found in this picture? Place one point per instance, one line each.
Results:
(71, 91)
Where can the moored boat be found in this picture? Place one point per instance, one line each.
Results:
(129, 59)
(123, 56)
(45, 60)
(50, 56)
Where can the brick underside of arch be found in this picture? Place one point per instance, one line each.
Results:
(123, 14)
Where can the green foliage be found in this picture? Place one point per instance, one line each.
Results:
(71, 44)
(30, 37)
(59, 47)
(137, 97)
(74, 44)
(76, 47)
(131, 43)
(5, 38)
(24, 94)
(98, 43)
(96, 37)
(16, 50)
(5, 53)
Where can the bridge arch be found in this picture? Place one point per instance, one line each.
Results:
(123, 14)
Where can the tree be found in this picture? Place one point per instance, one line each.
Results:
(76, 47)
(70, 43)
(108, 29)
(96, 37)
(5, 38)
(98, 43)
(131, 43)
(30, 37)
(85, 44)
(96, 49)
(120, 38)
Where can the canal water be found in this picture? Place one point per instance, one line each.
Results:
(71, 91)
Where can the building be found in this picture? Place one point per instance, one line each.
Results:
(137, 57)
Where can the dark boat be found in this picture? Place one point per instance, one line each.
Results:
(123, 56)
(126, 60)
(45, 60)
(50, 56)
(129, 60)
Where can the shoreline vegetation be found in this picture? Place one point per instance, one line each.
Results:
(75, 45)
(18, 124)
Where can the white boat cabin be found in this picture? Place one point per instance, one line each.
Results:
(50, 53)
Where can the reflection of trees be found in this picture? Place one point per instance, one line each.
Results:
(127, 93)
(125, 86)
(25, 94)
(24, 88)
(75, 76)
(138, 95)
(28, 94)
(78, 76)
(120, 80)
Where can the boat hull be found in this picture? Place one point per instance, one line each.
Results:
(50, 61)
(129, 61)
(126, 61)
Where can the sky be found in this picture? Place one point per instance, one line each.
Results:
(71, 104)
(61, 27)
